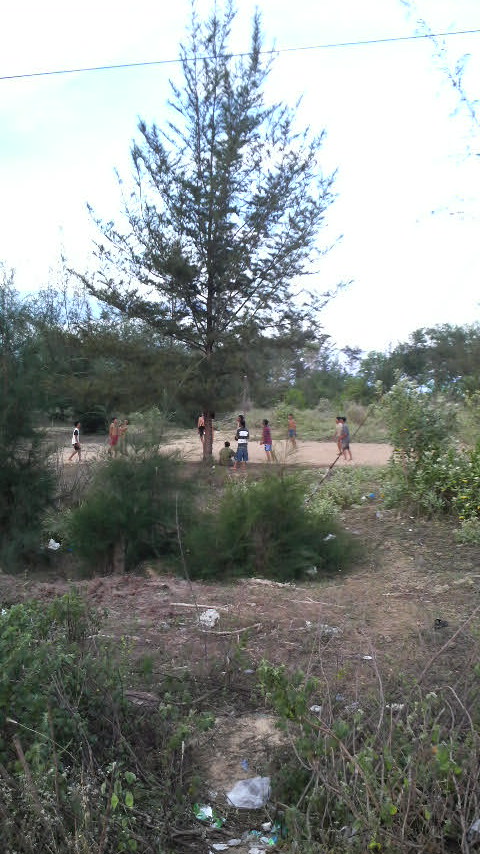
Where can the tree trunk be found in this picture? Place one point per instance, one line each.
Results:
(208, 437)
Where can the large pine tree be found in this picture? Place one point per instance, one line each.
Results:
(228, 201)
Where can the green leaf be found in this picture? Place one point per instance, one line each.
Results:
(114, 801)
(129, 800)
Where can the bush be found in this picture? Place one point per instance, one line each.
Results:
(346, 486)
(129, 513)
(26, 482)
(83, 770)
(438, 483)
(266, 528)
(374, 775)
(417, 422)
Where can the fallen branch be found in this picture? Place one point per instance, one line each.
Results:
(236, 631)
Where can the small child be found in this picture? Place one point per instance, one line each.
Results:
(266, 439)
(226, 455)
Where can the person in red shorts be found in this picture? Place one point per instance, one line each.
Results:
(266, 440)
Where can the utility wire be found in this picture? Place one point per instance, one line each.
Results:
(235, 55)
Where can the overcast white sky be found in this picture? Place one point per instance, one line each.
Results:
(408, 200)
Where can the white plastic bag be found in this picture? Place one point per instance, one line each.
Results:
(250, 794)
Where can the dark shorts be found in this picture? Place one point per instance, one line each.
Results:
(292, 433)
(268, 447)
(201, 431)
(76, 446)
(242, 454)
(345, 446)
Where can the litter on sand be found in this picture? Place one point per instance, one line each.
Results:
(251, 794)
(204, 812)
(53, 545)
(209, 618)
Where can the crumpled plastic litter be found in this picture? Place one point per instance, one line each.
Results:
(473, 833)
(209, 618)
(204, 812)
(53, 545)
(329, 537)
(251, 794)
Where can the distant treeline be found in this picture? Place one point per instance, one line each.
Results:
(89, 365)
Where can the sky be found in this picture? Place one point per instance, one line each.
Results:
(405, 221)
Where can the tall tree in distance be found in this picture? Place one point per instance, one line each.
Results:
(228, 201)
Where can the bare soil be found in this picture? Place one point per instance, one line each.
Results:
(190, 448)
(345, 630)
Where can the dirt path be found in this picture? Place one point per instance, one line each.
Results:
(319, 454)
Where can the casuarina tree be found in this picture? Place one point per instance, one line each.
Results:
(224, 215)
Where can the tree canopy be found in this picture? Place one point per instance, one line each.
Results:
(225, 211)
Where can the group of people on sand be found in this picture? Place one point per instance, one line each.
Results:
(229, 458)
(117, 439)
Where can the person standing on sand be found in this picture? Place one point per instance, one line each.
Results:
(292, 431)
(113, 434)
(76, 442)
(241, 437)
(122, 436)
(345, 440)
(201, 427)
(266, 439)
(338, 432)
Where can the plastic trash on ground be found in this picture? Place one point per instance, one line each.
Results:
(209, 618)
(327, 631)
(473, 833)
(250, 794)
(204, 812)
(53, 545)
(329, 537)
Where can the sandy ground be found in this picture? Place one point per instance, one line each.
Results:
(307, 453)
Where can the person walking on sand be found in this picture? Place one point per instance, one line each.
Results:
(113, 434)
(345, 440)
(76, 442)
(292, 431)
(241, 437)
(266, 439)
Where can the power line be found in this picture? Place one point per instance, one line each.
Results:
(361, 43)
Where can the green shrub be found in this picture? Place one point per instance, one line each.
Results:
(45, 660)
(417, 422)
(469, 532)
(446, 482)
(346, 486)
(26, 481)
(374, 775)
(129, 513)
(267, 528)
(84, 770)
